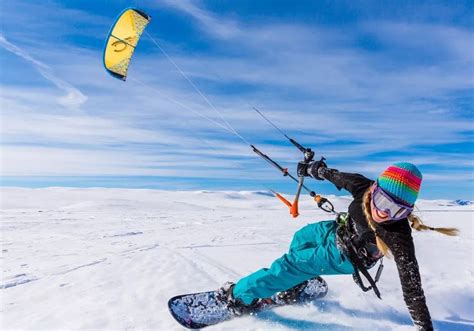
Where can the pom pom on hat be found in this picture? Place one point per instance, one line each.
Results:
(402, 181)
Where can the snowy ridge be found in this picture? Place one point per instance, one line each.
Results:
(111, 258)
(463, 202)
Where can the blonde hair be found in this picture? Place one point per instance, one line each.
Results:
(415, 221)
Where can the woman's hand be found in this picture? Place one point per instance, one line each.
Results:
(312, 169)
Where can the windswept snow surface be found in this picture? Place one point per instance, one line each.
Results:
(111, 258)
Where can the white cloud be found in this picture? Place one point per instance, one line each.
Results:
(324, 61)
(73, 98)
(213, 25)
(60, 161)
(310, 80)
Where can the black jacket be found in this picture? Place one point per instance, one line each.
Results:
(396, 235)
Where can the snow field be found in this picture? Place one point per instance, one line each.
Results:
(111, 258)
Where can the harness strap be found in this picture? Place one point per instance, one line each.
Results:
(359, 267)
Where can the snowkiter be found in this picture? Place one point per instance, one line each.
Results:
(376, 224)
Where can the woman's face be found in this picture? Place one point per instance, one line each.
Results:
(377, 216)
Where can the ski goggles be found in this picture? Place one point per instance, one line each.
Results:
(385, 203)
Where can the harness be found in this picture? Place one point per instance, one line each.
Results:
(357, 255)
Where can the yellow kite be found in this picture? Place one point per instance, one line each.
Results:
(122, 40)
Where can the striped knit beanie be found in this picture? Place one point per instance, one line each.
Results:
(402, 181)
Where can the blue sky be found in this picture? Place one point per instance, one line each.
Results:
(364, 83)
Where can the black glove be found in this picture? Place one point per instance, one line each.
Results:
(311, 169)
(302, 169)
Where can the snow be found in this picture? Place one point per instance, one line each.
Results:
(111, 258)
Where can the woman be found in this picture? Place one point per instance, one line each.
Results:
(377, 224)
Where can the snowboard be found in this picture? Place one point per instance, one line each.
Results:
(199, 310)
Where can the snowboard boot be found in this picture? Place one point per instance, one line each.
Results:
(310, 289)
(291, 295)
(236, 306)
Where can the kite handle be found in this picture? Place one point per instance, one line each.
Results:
(294, 209)
(293, 206)
(282, 199)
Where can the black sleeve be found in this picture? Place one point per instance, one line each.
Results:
(356, 184)
(403, 249)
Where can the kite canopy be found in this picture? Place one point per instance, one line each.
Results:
(122, 40)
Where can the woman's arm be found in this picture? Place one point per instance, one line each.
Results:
(403, 250)
(356, 184)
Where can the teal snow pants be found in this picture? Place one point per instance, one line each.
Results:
(313, 252)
